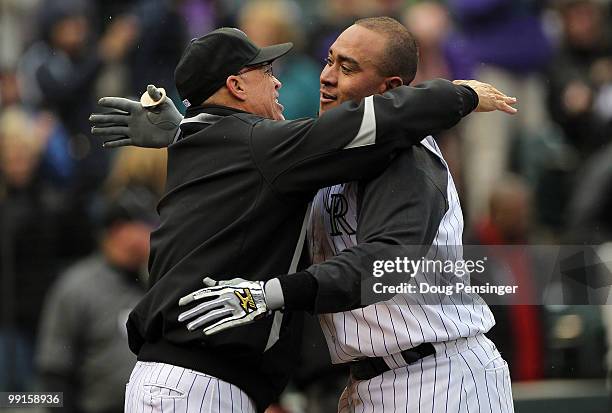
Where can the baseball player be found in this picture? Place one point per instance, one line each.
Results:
(413, 353)
(158, 336)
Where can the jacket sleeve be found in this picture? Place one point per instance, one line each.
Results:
(357, 139)
(400, 211)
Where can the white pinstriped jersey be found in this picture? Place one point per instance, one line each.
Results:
(389, 327)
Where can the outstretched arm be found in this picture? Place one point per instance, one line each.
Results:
(154, 121)
(308, 154)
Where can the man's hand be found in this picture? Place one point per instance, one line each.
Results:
(226, 304)
(151, 123)
(119, 38)
(489, 98)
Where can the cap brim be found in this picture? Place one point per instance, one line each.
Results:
(270, 53)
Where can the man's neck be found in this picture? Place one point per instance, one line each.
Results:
(225, 100)
(213, 109)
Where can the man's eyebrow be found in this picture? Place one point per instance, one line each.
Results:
(344, 58)
(348, 59)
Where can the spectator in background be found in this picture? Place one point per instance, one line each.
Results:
(580, 86)
(590, 221)
(59, 73)
(268, 22)
(82, 346)
(333, 16)
(509, 219)
(30, 229)
(501, 42)
(103, 12)
(9, 92)
(391, 8)
(199, 16)
(163, 36)
(518, 332)
(15, 30)
(430, 23)
(138, 166)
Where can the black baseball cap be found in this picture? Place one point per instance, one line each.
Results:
(133, 203)
(209, 60)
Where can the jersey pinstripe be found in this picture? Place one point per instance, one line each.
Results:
(159, 387)
(468, 375)
(403, 322)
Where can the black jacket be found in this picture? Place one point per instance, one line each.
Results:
(237, 190)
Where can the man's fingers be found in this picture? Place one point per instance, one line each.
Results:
(124, 104)
(220, 325)
(504, 107)
(503, 103)
(113, 118)
(207, 292)
(117, 143)
(200, 309)
(209, 318)
(490, 98)
(110, 131)
(191, 297)
(508, 99)
(209, 282)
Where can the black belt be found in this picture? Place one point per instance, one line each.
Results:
(370, 367)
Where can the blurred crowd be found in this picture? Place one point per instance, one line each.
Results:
(75, 218)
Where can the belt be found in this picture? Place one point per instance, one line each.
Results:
(370, 367)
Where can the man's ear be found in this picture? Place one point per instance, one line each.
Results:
(391, 83)
(235, 85)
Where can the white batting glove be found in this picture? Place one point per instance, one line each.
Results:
(226, 304)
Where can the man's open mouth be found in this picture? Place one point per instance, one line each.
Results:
(326, 97)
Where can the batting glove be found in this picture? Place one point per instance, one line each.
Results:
(151, 123)
(227, 304)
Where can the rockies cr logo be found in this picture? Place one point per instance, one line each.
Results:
(246, 300)
(337, 207)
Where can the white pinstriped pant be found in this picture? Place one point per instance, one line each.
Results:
(160, 387)
(465, 375)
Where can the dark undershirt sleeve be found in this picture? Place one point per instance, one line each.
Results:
(470, 98)
(299, 291)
